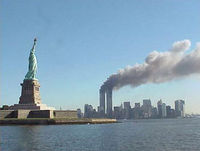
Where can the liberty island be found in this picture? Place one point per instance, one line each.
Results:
(30, 109)
(30, 104)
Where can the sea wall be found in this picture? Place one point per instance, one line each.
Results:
(41, 114)
(65, 114)
(23, 114)
(54, 121)
(8, 114)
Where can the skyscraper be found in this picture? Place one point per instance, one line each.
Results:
(180, 108)
(102, 102)
(127, 105)
(164, 112)
(118, 112)
(88, 111)
(105, 92)
(79, 114)
(147, 108)
(109, 102)
(137, 112)
(170, 112)
(168, 109)
(127, 109)
(159, 106)
(154, 112)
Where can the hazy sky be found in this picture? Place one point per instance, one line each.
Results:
(82, 42)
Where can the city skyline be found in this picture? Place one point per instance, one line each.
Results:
(84, 57)
(144, 110)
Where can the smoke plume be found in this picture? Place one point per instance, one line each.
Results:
(159, 67)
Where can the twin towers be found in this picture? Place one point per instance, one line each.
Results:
(105, 93)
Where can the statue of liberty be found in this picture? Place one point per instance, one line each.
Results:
(32, 68)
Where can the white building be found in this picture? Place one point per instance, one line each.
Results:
(164, 112)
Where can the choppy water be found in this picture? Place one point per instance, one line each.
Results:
(137, 135)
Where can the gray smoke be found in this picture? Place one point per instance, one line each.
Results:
(159, 67)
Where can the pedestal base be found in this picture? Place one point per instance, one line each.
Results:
(30, 92)
(31, 107)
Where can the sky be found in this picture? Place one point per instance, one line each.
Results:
(81, 43)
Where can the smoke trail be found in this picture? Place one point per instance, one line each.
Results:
(159, 67)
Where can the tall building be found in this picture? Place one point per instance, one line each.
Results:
(105, 92)
(159, 106)
(127, 105)
(109, 102)
(127, 110)
(180, 108)
(79, 113)
(88, 111)
(147, 102)
(154, 112)
(118, 112)
(102, 102)
(147, 108)
(168, 110)
(164, 112)
(137, 112)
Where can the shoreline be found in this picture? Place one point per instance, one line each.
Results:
(53, 121)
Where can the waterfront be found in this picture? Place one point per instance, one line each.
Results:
(145, 135)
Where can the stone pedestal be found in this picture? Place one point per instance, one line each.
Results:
(30, 92)
(30, 97)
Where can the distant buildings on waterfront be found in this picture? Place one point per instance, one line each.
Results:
(125, 111)
(144, 111)
(138, 111)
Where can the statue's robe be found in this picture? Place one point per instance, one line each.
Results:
(31, 74)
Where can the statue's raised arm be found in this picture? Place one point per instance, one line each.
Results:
(32, 68)
(34, 44)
